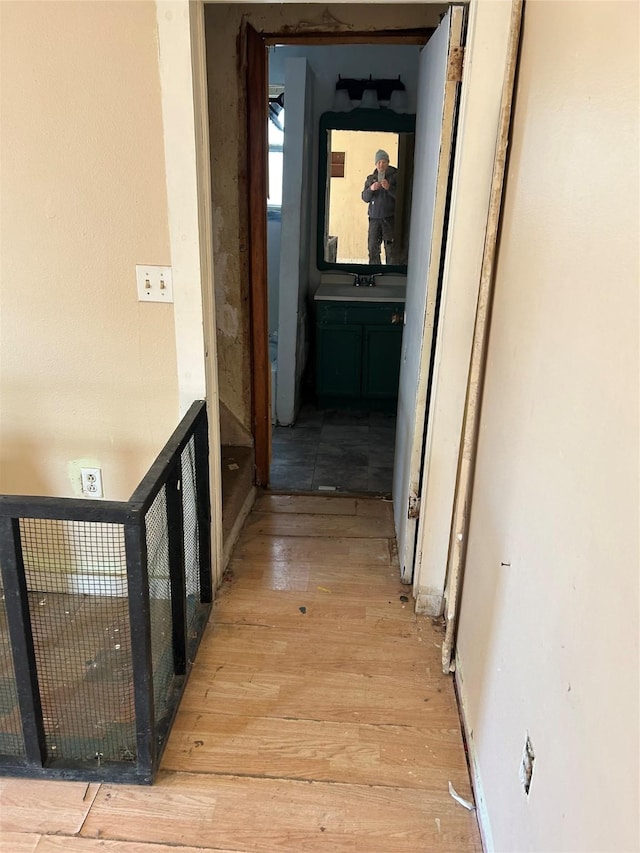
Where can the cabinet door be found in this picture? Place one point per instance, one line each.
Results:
(381, 361)
(339, 360)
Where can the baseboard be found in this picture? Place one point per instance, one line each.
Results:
(482, 813)
(234, 533)
(100, 583)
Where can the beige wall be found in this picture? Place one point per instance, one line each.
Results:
(86, 371)
(548, 640)
(227, 118)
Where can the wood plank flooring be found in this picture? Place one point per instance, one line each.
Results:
(316, 717)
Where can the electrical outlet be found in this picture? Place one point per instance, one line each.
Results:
(155, 284)
(91, 479)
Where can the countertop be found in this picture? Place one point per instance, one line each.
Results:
(349, 293)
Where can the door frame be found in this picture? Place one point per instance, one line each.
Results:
(257, 45)
(182, 51)
(486, 71)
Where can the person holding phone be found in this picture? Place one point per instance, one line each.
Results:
(380, 194)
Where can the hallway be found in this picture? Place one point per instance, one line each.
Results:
(316, 717)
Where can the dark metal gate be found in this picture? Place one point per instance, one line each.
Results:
(103, 605)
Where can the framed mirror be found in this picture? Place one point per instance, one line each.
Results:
(348, 232)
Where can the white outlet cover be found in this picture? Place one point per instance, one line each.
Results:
(154, 283)
(91, 480)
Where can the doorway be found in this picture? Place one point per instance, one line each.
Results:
(211, 204)
(365, 462)
(319, 442)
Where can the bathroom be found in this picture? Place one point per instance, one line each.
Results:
(344, 443)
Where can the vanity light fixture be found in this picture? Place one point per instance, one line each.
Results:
(370, 94)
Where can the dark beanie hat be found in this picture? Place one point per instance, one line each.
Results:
(381, 155)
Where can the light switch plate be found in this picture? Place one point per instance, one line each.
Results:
(155, 284)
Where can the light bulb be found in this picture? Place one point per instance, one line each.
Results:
(370, 99)
(341, 101)
(399, 102)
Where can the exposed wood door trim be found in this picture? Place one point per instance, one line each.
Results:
(257, 152)
(402, 37)
(477, 367)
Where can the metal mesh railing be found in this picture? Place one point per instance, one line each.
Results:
(191, 530)
(105, 604)
(160, 601)
(77, 580)
(74, 557)
(11, 739)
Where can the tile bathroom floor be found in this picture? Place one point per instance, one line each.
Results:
(334, 451)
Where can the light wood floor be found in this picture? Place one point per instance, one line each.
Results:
(316, 717)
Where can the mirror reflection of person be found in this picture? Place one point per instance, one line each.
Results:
(380, 194)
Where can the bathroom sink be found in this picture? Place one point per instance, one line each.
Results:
(347, 292)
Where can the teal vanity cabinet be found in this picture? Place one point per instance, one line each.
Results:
(358, 346)
(381, 348)
(338, 359)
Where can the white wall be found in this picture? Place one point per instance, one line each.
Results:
(548, 638)
(274, 229)
(293, 280)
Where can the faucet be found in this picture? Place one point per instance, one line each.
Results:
(363, 280)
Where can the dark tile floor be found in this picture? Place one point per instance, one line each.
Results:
(328, 450)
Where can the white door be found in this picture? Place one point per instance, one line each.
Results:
(295, 237)
(438, 87)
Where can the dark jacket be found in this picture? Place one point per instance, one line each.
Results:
(382, 203)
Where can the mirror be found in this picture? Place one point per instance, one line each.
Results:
(348, 237)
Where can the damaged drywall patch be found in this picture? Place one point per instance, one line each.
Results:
(326, 21)
(229, 321)
(429, 601)
(227, 314)
(526, 766)
(217, 228)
